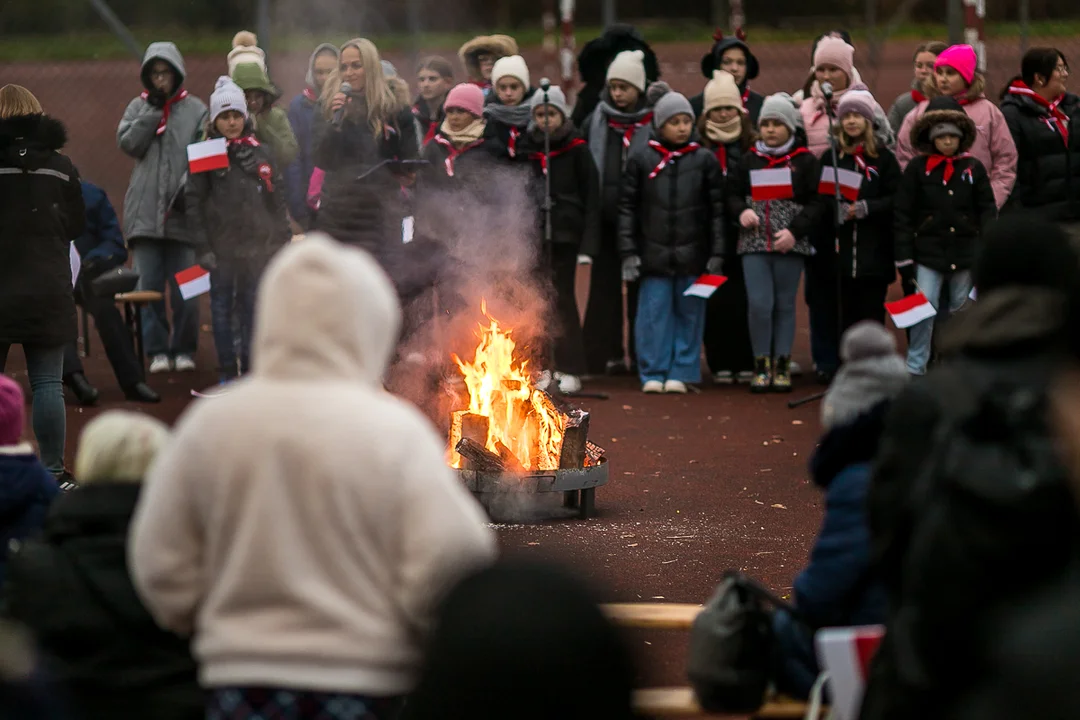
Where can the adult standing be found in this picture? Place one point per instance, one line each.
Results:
(156, 129)
(1043, 118)
(732, 55)
(923, 61)
(41, 213)
(302, 111)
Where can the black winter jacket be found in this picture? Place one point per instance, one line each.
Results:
(73, 590)
(41, 213)
(752, 104)
(471, 167)
(239, 213)
(938, 225)
(615, 154)
(866, 246)
(1047, 173)
(575, 189)
(673, 221)
(730, 159)
(428, 118)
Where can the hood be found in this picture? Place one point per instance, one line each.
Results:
(101, 509)
(920, 132)
(401, 91)
(498, 45)
(27, 141)
(1009, 319)
(711, 61)
(327, 311)
(26, 481)
(249, 76)
(853, 442)
(168, 52)
(322, 48)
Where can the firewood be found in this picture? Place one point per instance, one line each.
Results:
(575, 440)
(475, 427)
(593, 453)
(508, 457)
(478, 457)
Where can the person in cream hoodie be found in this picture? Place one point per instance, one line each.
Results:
(303, 526)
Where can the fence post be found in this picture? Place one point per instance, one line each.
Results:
(974, 14)
(871, 34)
(262, 27)
(567, 51)
(1025, 24)
(955, 14)
(737, 21)
(117, 27)
(415, 28)
(608, 13)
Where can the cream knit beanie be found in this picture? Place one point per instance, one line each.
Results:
(628, 66)
(511, 66)
(722, 91)
(246, 49)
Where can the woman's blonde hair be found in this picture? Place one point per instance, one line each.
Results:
(382, 104)
(15, 100)
(118, 446)
(848, 144)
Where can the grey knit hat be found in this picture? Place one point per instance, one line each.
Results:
(945, 128)
(670, 105)
(556, 98)
(781, 107)
(872, 372)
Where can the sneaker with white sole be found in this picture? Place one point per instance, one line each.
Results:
(160, 364)
(184, 363)
(652, 387)
(745, 377)
(568, 384)
(543, 381)
(678, 387)
(795, 368)
(724, 377)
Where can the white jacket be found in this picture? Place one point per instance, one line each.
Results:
(302, 525)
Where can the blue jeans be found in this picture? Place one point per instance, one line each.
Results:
(772, 288)
(232, 311)
(930, 283)
(45, 366)
(669, 329)
(157, 261)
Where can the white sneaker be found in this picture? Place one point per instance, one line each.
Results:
(543, 381)
(652, 387)
(184, 363)
(568, 384)
(745, 377)
(795, 368)
(724, 377)
(160, 364)
(675, 386)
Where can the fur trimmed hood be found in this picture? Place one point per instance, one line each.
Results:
(498, 45)
(38, 131)
(942, 110)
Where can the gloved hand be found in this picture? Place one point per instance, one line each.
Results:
(92, 267)
(156, 98)
(783, 241)
(584, 260)
(715, 266)
(907, 279)
(861, 210)
(749, 219)
(631, 269)
(208, 261)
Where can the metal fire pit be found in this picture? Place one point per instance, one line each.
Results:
(578, 485)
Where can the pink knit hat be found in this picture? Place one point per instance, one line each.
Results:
(467, 97)
(834, 51)
(960, 58)
(857, 100)
(12, 411)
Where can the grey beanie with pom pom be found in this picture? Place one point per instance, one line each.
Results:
(872, 372)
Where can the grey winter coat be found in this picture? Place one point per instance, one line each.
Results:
(157, 181)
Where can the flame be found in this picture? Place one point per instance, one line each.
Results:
(520, 418)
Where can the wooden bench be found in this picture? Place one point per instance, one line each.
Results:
(133, 302)
(680, 701)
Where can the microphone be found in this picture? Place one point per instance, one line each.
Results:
(827, 90)
(339, 114)
(545, 84)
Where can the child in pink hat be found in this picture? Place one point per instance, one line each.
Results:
(460, 148)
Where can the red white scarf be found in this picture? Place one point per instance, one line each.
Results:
(543, 159)
(265, 171)
(859, 153)
(511, 145)
(310, 95)
(248, 140)
(782, 160)
(917, 96)
(629, 128)
(1055, 119)
(721, 157)
(934, 161)
(168, 107)
(669, 156)
(454, 153)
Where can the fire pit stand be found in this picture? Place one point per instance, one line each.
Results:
(578, 485)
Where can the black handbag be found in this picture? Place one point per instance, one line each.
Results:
(113, 282)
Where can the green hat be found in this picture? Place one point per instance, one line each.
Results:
(250, 76)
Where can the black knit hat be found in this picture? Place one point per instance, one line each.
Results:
(711, 61)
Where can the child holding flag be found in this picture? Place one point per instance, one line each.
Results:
(776, 201)
(671, 229)
(239, 220)
(944, 200)
(869, 177)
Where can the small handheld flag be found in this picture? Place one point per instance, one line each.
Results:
(193, 282)
(849, 181)
(771, 184)
(705, 286)
(845, 653)
(76, 263)
(208, 155)
(910, 310)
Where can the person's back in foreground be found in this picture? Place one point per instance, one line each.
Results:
(303, 524)
(970, 509)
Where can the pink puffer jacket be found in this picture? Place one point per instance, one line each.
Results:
(816, 120)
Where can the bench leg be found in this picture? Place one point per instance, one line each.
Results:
(588, 503)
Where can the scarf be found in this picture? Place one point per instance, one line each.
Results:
(669, 156)
(543, 159)
(250, 162)
(917, 96)
(167, 109)
(536, 135)
(859, 153)
(779, 155)
(934, 161)
(724, 133)
(721, 157)
(310, 95)
(453, 152)
(473, 132)
(516, 116)
(1055, 118)
(602, 118)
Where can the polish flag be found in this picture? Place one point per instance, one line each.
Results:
(771, 184)
(910, 310)
(705, 286)
(849, 180)
(76, 263)
(208, 155)
(193, 282)
(845, 653)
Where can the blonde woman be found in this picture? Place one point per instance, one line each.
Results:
(72, 587)
(41, 212)
(360, 135)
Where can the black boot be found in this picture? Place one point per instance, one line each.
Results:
(141, 392)
(84, 392)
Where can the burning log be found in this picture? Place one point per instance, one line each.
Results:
(508, 457)
(593, 454)
(479, 458)
(475, 427)
(575, 440)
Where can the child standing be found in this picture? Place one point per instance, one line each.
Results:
(945, 199)
(270, 123)
(461, 150)
(434, 78)
(725, 130)
(575, 220)
(508, 111)
(777, 210)
(671, 229)
(926, 54)
(867, 266)
(239, 221)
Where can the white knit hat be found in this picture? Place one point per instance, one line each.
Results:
(628, 66)
(246, 49)
(227, 96)
(511, 66)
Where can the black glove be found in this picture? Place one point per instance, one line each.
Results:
(715, 266)
(92, 267)
(907, 279)
(208, 261)
(156, 98)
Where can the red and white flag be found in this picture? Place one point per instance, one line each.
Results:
(910, 310)
(845, 653)
(849, 181)
(193, 282)
(771, 184)
(76, 263)
(208, 155)
(705, 286)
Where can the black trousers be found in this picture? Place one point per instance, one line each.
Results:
(115, 338)
(604, 318)
(567, 336)
(727, 332)
(822, 299)
(862, 298)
